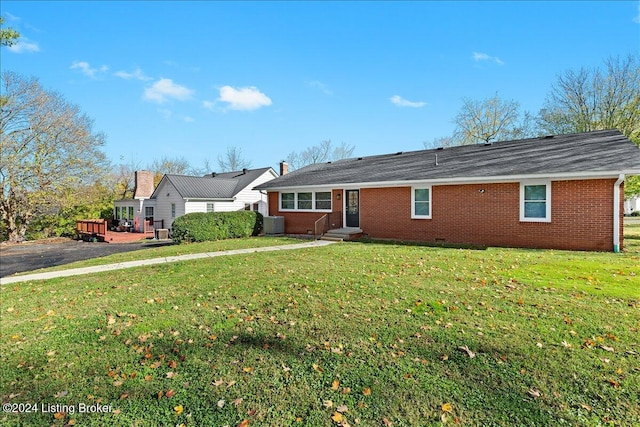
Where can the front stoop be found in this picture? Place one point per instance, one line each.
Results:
(340, 234)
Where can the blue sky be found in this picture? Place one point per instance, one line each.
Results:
(189, 79)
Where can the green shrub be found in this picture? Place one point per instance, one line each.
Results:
(202, 227)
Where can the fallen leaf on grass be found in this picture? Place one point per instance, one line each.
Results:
(220, 403)
(587, 407)
(607, 348)
(366, 391)
(386, 422)
(342, 409)
(178, 409)
(335, 385)
(327, 404)
(170, 393)
(447, 407)
(243, 423)
(470, 353)
(237, 401)
(337, 417)
(533, 392)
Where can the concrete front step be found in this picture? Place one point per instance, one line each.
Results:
(340, 234)
(332, 238)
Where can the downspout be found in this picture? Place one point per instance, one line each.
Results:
(616, 213)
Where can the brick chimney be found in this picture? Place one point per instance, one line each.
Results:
(284, 168)
(143, 185)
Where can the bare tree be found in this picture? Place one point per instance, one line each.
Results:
(323, 152)
(443, 141)
(492, 119)
(168, 165)
(232, 160)
(48, 149)
(592, 99)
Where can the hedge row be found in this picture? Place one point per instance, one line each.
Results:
(202, 227)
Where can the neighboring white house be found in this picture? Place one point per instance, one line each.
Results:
(632, 205)
(178, 195)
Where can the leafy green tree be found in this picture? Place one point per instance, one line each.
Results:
(8, 36)
(48, 149)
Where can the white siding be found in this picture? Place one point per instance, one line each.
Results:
(166, 195)
(163, 201)
(250, 196)
(632, 205)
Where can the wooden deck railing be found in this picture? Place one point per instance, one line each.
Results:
(91, 227)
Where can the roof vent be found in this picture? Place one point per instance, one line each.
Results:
(398, 153)
(548, 136)
(359, 158)
(488, 144)
(440, 148)
(213, 174)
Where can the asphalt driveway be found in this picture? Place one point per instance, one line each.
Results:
(18, 258)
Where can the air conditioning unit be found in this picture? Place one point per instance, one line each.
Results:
(273, 225)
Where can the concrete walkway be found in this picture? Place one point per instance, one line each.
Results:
(154, 261)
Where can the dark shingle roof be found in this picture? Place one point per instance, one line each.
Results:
(221, 186)
(591, 152)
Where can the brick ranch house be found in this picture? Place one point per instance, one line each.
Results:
(560, 192)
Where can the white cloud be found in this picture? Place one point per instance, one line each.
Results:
(86, 69)
(479, 56)
(636, 18)
(321, 86)
(245, 98)
(401, 102)
(188, 119)
(165, 113)
(165, 89)
(24, 45)
(209, 105)
(137, 74)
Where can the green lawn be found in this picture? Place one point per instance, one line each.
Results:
(350, 334)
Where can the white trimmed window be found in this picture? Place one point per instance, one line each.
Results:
(323, 201)
(173, 210)
(287, 201)
(535, 201)
(211, 207)
(421, 202)
(306, 201)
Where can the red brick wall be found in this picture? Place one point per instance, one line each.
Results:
(301, 222)
(581, 215)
